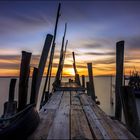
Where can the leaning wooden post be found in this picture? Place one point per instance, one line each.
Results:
(42, 63)
(91, 83)
(33, 87)
(23, 80)
(130, 110)
(83, 81)
(10, 107)
(119, 78)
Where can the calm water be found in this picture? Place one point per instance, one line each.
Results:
(104, 92)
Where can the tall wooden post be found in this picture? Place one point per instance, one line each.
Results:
(130, 110)
(42, 63)
(77, 77)
(119, 78)
(49, 70)
(10, 107)
(23, 80)
(91, 83)
(83, 81)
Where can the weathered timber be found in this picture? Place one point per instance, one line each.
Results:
(23, 80)
(74, 115)
(42, 63)
(60, 65)
(60, 128)
(130, 110)
(48, 75)
(10, 107)
(79, 125)
(33, 87)
(64, 57)
(119, 78)
(88, 88)
(91, 83)
(83, 81)
(47, 115)
(77, 78)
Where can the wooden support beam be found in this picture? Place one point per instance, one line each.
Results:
(10, 107)
(83, 81)
(130, 110)
(42, 63)
(23, 80)
(33, 87)
(119, 78)
(91, 83)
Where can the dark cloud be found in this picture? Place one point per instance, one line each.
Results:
(100, 53)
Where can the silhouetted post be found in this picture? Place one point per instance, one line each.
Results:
(88, 89)
(10, 107)
(91, 83)
(83, 81)
(130, 110)
(77, 78)
(42, 63)
(33, 87)
(49, 70)
(119, 78)
(23, 80)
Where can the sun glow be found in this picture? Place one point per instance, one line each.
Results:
(69, 71)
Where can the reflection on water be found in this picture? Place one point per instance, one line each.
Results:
(103, 88)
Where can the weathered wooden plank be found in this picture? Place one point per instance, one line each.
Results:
(75, 98)
(94, 121)
(79, 125)
(60, 126)
(46, 120)
(47, 114)
(54, 101)
(124, 130)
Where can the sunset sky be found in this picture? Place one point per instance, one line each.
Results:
(93, 30)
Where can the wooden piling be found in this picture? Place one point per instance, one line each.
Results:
(33, 87)
(91, 83)
(42, 63)
(119, 78)
(23, 80)
(83, 81)
(88, 88)
(130, 110)
(10, 107)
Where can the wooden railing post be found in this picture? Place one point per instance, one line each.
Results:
(91, 83)
(23, 80)
(119, 78)
(130, 110)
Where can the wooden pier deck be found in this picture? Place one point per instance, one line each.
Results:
(71, 114)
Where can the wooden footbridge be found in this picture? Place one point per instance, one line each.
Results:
(72, 114)
(70, 110)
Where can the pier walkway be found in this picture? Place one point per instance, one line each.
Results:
(72, 114)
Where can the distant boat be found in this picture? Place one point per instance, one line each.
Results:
(20, 125)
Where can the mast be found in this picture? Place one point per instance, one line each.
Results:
(48, 75)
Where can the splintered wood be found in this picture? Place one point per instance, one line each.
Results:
(74, 115)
